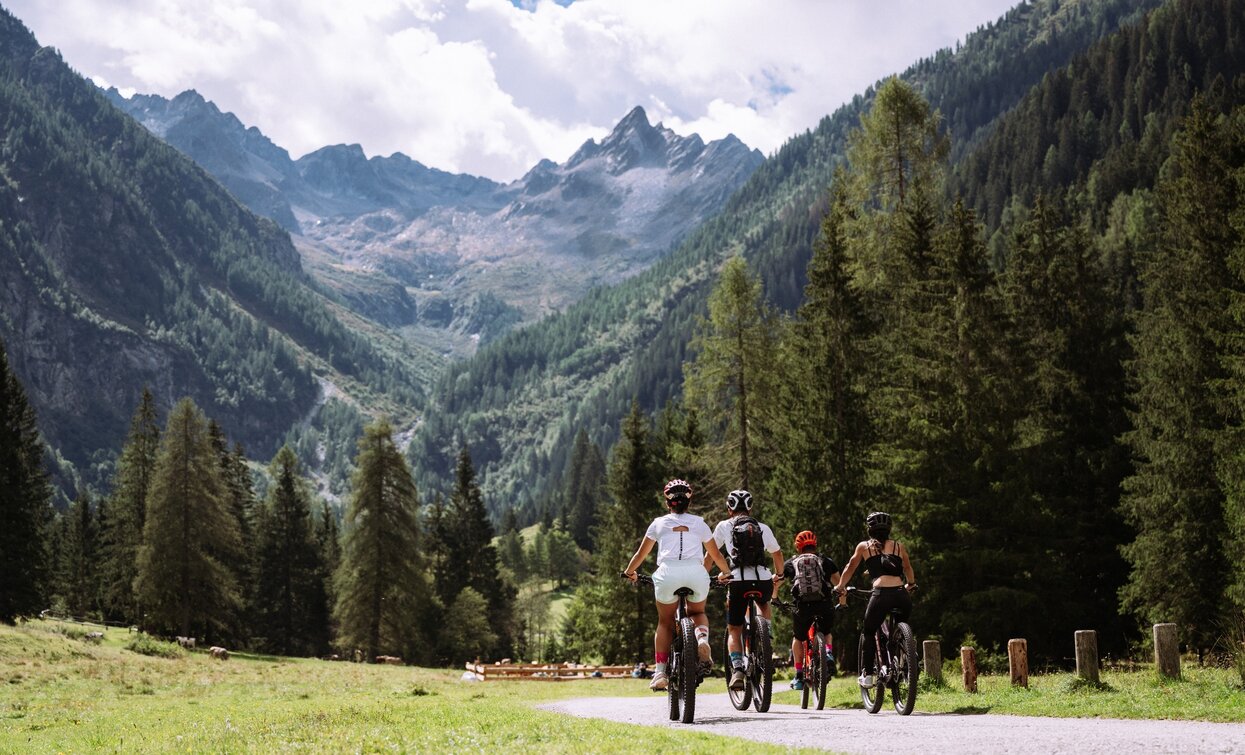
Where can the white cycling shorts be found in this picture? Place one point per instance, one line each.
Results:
(671, 575)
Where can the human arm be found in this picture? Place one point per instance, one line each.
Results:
(711, 547)
(834, 580)
(849, 571)
(641, 553)
(908, 574)
(778, 569)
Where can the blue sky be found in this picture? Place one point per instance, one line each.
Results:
(489, 87)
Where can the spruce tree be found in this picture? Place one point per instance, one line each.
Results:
(79, 577)
(584, 488)
(1232, 443)
(328, 543)
(824, 430)
(122, 532)
(470, 550)
(1174, 498)
(25, 503)
(381, 585)
(184, 582)
(289, 585)
(609, 618)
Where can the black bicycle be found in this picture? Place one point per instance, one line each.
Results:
(683, 673)
(757, 638)
(895, 660)
(818, 668)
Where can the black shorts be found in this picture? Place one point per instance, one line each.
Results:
(805, 613)
(737, 604)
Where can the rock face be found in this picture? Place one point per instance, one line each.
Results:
(530, 247)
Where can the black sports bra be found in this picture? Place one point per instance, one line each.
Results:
(884, 564)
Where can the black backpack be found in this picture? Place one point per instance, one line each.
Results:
(749, 545)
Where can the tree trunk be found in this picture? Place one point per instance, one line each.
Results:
(1087, 655)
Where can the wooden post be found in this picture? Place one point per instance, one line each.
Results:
(968, 661)
(932, 651)
(1166, 651)
(1087, 655)
(1018, 662)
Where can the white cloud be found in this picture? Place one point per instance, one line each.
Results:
(486, 87)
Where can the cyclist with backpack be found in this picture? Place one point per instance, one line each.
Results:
(748, 544)
(681, 540)
(890, 569)
(812, 577)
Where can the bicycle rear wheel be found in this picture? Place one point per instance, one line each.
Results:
(740, 698)
(822, 666)
(871, 697)
(688, 671)
(907, 668)
(763, 658)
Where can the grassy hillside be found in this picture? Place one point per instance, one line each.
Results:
(64, 695)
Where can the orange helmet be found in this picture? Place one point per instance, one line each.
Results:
(804, 540)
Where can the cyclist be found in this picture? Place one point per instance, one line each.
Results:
(681, 539)
(812, 577)
(890, 569)
(746, 543)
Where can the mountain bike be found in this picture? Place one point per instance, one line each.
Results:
(818, 667)
(683, 669)
(757, 638)
(895, 660)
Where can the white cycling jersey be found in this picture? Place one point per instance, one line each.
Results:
(679, 537)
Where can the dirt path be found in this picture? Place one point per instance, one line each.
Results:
(857, 732)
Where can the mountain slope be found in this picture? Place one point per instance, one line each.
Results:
(520, 401)
(474, 257)
(125, 264)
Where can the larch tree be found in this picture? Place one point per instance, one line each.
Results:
(381, 584)
(184, 580)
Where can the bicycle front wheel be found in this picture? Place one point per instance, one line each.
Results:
(872, 696)
(763, 658)
(688, 672)
(907, 668)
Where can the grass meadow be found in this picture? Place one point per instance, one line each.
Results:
(60, 693)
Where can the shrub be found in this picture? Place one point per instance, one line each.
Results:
(145, 644)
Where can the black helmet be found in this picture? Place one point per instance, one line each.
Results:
(739, 500)
(878, 519)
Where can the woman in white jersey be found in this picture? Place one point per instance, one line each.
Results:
(681, 539)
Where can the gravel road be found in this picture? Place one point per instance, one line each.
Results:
(858, 732)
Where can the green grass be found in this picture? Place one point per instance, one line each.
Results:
(60, 694)
(1204, 694)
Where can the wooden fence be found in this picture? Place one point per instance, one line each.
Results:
(546, 672)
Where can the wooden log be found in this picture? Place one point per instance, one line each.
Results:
(1166, 651)
(1087, 655)
(1018, 662)
(932, 652)
(968, 662)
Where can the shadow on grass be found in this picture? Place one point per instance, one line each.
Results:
(967, 710)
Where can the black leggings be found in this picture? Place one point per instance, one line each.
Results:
(883, 600)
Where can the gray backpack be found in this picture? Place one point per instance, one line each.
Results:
(810, 578)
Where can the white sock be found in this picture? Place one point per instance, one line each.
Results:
(702, 635)
(659, 668)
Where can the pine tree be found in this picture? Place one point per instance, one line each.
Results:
(289, 586)
(1174, 497)
(328, 544)
(122, 533)
(381, 584)
(184, 582)
(732, 374)
(25, 503)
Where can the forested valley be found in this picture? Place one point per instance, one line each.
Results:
(999, 296)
